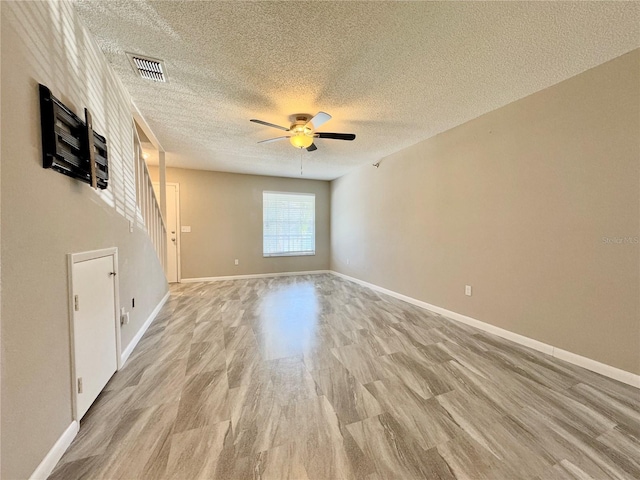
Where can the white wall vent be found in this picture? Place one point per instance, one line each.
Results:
(148, 68)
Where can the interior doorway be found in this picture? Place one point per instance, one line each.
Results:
(173, 230)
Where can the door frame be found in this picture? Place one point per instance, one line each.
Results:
(73, 258)
(178, 227)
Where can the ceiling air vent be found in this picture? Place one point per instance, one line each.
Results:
(148, 68)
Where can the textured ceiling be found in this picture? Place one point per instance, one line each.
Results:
(393, 73)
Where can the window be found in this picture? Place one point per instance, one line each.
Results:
(288, 224)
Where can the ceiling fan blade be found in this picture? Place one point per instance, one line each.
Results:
(312, 147)
(335, 136)
(269, 140)
(262, 122)
(319, 119)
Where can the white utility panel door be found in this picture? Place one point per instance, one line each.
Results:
(94, 328)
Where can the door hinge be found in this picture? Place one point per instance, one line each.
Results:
(79, 384)
(76, 303)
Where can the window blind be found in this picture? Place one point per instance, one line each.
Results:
(288, 224)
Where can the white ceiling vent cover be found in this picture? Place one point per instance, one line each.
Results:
(148, 68)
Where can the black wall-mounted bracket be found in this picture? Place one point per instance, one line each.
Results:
(71, 146)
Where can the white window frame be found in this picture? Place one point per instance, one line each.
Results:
(289, 253)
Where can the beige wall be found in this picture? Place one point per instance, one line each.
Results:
(46, 215)
(224, 211)
(515, 203)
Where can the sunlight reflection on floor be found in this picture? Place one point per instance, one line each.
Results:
(289, 319)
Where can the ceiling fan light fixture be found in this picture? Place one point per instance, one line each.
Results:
(303, 131)
(301, 140)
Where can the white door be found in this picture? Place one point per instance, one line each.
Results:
(94, 328)
(173, 237)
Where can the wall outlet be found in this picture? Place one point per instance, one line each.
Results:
(185, 229)
(348, 261)
(124, 317)
(130, 226)
(237, 262)
(467, 290)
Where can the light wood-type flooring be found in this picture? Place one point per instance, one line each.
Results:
(315, 377)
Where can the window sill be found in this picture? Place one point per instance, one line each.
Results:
(292, 254)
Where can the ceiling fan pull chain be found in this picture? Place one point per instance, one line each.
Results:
(300, 162)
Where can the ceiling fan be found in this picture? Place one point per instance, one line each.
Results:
(303, 131)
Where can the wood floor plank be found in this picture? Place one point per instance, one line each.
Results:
(350, 400)
(194, 453)
(311, 377)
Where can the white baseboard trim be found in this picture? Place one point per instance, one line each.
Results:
(584, 362)
(55, 454)
(598, 367)
(134, 341)
(255, 275)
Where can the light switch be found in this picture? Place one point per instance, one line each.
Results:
(185, 229)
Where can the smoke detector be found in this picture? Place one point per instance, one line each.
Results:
(148, 68)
